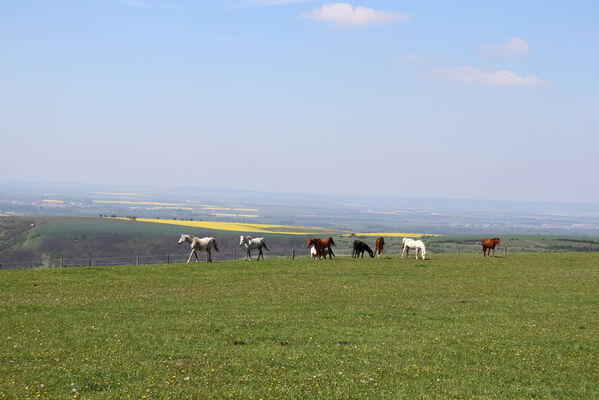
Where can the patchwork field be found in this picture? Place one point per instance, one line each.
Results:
(268, 228)
(523, 326)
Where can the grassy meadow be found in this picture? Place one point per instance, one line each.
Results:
(523, 326)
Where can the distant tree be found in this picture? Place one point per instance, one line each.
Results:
(101, 215)
(113, 216)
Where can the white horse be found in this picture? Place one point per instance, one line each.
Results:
(251, 244)
(199, 244)
(313, 252)
(407, 244)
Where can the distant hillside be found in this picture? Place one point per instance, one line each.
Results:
(26, 241)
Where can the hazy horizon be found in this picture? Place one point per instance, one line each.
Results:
(377, 98)
(179, 190)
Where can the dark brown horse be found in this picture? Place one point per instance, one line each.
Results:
(359, 248)
(323, 247)
(380, 243)
(489, 244)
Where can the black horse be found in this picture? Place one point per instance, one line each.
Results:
(359, 248)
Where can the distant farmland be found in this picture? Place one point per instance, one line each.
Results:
(267, 228)
(55, 241)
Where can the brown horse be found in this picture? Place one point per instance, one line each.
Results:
(489, 244)
(323, 247)
(380, 243)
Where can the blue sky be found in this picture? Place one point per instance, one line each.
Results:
(457, 99)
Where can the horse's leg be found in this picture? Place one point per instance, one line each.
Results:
(190, 255)
(493, 252)
(260, 253)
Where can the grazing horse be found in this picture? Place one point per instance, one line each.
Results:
(359, 248)
(489, 244)
(380, 244)
(407, 244)
(323, 247)
(251, 244)
(199, 244)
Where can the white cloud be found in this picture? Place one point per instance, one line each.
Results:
(516, 46)
(344, 14)
(501, 78)
(513, 47)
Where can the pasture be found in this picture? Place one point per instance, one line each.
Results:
(519, 327)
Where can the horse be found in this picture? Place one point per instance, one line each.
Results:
(489, 244)
(199, 244)
(380, 243)
(251, 244)
(359, 248)
(323, 247)
(407, 244)
(313, 252)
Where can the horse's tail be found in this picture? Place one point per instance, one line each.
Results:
(403, 243)
(264, 243)
(332, 242)
(214, 243)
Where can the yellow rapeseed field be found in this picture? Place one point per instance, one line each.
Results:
(147, 203)
(268, 228)
(183, 206)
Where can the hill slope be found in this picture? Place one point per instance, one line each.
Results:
(524, 326)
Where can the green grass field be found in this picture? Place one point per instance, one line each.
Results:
(517, 327)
